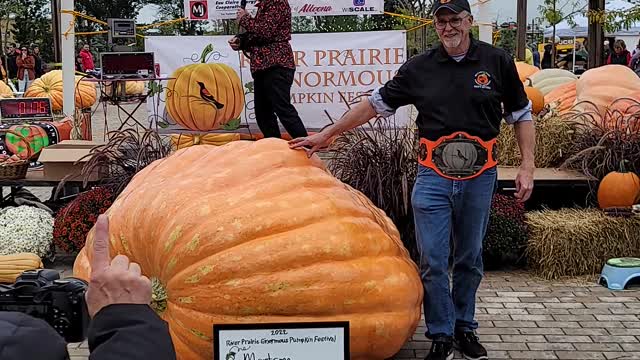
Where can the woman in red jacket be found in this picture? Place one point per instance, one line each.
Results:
(621, 55)
(26, 69)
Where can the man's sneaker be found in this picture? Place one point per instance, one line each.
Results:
(470, 347)
(441, 349)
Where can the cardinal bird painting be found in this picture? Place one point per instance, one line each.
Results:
(204, 96)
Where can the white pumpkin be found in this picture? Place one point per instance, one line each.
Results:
(547, 80)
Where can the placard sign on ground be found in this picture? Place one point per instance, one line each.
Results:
(288, 341)
(328, 64)
(227, 9)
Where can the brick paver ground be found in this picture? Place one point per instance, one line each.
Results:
(524, 317)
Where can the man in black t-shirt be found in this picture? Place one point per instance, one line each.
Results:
(462, 89)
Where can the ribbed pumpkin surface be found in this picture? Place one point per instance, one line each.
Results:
(5, 91)
(255, 232)
(547, 80)
(604, 84)
(50, 85)
(563, 97)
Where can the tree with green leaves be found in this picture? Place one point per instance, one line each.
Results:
(31, 25)
(171, 10)
(103, 10)
(8, 9)
(615, 20)
(555, 12)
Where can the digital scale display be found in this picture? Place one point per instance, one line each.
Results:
(25, 108)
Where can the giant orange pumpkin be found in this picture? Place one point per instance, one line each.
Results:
(619, 189)
(5, 91)
(602, 85)
(204, 96)
(563, 97)
(270, 236)
(50, 85)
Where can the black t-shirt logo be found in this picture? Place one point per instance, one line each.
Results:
(482, 80)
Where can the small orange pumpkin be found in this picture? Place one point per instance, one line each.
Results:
(619, 189)
(536, 97)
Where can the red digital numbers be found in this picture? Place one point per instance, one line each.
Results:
(28, 108)
(32, 107)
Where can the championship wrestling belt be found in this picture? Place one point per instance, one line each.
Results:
(458, 156)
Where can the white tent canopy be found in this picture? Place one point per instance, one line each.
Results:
(564, 29)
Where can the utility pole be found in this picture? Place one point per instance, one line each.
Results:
(55, 22)
(596, 36)
(68, 59)
(522, 30)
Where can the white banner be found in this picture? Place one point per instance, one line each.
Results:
(227, 9)
(328, 65)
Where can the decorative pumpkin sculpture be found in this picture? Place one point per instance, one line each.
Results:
(547, 80)
(525, 70)
(50, 85)
(5, 91)
(619, 189)
(270, 236)
(459, 155)
(38, 134)
(204, 96)
(536, 97)
(181, 141)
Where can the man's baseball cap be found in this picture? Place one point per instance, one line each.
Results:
(456, 6)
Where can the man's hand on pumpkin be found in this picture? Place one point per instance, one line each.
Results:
(116, 281)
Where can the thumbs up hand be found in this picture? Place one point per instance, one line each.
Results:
(116, 281)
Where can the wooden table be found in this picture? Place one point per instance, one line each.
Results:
(543, 177)
(36, 178)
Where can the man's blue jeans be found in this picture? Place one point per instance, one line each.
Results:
(459, 210)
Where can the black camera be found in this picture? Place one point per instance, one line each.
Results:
(42, 294)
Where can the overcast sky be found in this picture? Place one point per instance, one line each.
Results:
(503, 10)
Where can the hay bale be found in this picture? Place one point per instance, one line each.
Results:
(554, 140)
(573, 242)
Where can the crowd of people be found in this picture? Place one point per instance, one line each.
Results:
(23, 63)
(616, 54)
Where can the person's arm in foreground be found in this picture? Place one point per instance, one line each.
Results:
(518, 108)
(394, 94)
(123, 324)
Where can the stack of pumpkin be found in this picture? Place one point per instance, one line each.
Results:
(604, 87)
(539, 84)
